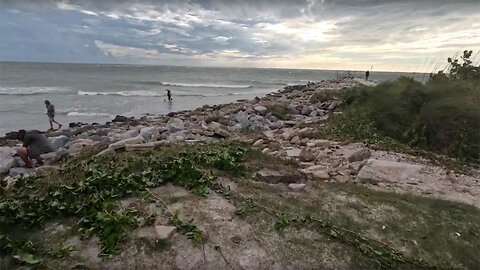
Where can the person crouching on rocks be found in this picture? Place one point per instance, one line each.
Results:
(51, 115)
(34, 145)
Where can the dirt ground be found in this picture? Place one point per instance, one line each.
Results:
(250, 224)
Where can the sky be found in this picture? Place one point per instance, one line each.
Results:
(387, 35)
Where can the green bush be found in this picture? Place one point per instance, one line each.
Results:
(280, 111)
(442, 115)
(324, 95)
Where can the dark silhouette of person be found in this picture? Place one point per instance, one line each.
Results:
(366, 75)
(51, 115)
(34, 144)
(169, 95)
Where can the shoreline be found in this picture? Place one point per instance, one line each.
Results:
(97, 121)
(283, 124)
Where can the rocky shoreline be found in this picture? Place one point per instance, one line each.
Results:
(282, 124)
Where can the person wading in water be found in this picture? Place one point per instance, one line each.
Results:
(169, 95)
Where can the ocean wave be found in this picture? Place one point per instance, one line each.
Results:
(155, 94)
(210, 85)
(34, 90)
(88, 114)
(121, 93)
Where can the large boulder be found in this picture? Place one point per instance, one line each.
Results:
(296, 187)
(375, 171)
(261, 110)
(306, 155)
(58, 141)
(175, 124)
(6, 160)
(257, 127)
(292, 110)
(294, 152)
(277, 176)
(120, 118)
(242, 118)
(359, 155)
(148, 133)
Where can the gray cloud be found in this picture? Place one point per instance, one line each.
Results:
(297, 33)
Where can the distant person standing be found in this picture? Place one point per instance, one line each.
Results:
(366, 75)
(51, 114)
(169, 95)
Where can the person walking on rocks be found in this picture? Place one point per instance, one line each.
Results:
(34, 145)
(51, 115)
(367, 74)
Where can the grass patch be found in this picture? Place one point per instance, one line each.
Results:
(443, 118)
(280, 111)
(324, 95)
(88, 190)
(436, 233)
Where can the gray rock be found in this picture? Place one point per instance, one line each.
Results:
(333, 105)
(275, 176)
(95, 138)
(101, 132)
(375, 171)
(61, 153)
(268, 134)
(127, 134)
(359, 155)
(18, 171)
(295, 140)
(260, 109)
(120, 118)
(257, 127)
(242, 118)
(258, 142)
(296, 187)
(6, 159)
(294, 152)
(274, 146)
(306, 155)
(58, 142)
(320, 174)
(271, 118)
(293, 110)
(49, 157)
(148, 133)
(175, 124)
(306, 110)
(235, 128)
(276, 125)
(214, 126)
(288, 135)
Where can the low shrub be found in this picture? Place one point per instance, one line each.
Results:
(280, 111)
(442, 115)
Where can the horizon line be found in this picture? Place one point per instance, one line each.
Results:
(233, 67)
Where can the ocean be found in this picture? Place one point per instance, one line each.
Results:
(98, 92)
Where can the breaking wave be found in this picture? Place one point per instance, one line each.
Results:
(34, 90)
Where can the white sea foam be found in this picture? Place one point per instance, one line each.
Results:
(153, 94)
(88, 114)
(34, 90)
(210, 85)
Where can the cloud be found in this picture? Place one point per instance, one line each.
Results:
(326, 34)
